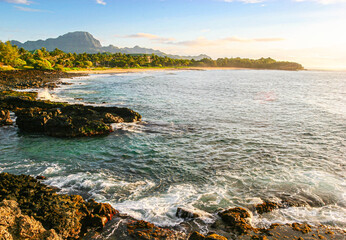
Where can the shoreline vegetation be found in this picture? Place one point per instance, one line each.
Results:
(13, 58)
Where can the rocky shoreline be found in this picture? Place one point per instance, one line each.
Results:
(52, 118)
(30, 209)
(24, 79)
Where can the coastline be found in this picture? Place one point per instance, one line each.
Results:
(222, 226)
(30, 209)
(138, 70)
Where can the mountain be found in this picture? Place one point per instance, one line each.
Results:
(80, 42)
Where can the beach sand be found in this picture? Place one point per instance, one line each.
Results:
(136, 70)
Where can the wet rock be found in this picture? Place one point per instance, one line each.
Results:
(41, 178)
(186, 214)
(304, 228)
(196, 236)
(258, 237)
(266, 206)
(140, 229)
(110, 118)
(237, 219)
(69, 216)
(199, 236)
(5, 118)
(215, 236)
(59, 119)
(71, 120)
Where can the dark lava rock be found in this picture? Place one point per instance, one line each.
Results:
(213, 236)
(69, 216)
(302, 227)
(266, 206)
(73, 120)
(52, 118)
(41, 178)
(140, 229)
(61, 119)
(238, 219)
(23, 79)
(186, 214)
(5, 118)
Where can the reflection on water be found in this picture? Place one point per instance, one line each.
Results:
(209, 140)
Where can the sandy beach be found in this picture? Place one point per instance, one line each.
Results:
(136, 70)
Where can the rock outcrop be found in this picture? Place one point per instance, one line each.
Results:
(5, 118)
(23, 79)
(69, 216)
(32, 210)
(61, 119)
(15, 225)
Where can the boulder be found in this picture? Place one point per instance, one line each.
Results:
(72, 120)
(139, 229)
(69, 216)
(186, 214)
(266, 206)
(212, 236)
(238, 219)
(5, 118)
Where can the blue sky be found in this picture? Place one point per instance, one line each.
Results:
(307, 31)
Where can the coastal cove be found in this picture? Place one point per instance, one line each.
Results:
(208, 141)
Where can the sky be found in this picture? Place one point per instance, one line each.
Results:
(311, 32)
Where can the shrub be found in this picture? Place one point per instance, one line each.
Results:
(42, 65)
(6, 68)
(59, 67)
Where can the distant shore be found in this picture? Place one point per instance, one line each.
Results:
(136, 70)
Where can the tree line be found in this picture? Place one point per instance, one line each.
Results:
(11, 55)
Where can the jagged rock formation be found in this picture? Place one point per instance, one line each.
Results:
(43, 209)
(15, 225)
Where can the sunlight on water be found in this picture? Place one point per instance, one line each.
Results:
(209, 140)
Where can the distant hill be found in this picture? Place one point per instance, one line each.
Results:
(80, 42)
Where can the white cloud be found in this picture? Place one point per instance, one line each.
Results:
(150, 37)
(201, 41)
(26, 2)
(26, 9)
(102, 2)
(206, 42)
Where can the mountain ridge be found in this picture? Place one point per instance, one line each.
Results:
(80, 42)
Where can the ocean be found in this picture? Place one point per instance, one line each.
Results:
(209, 140)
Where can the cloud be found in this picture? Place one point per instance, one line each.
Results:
(26, 2)
(102, 2)
(199, 42)
(26, 9)
(150, 37)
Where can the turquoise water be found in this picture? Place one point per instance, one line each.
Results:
(208, 140)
